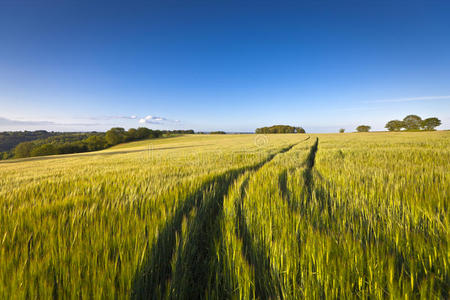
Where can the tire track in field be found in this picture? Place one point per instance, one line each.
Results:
(152, 277)
(310, 160)
(307, 177)
(366, 238)
(267, 285)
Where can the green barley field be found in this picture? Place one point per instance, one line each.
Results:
(283, 216)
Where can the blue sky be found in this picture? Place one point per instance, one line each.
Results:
(222, 65)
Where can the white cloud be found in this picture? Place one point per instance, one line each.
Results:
(153, 120)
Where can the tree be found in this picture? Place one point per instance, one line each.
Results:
(143, 133)
(363, 128)
(280, 129)
(431, 123)
(95, 142)
(115, 136)
(23, 149)
(342, 130)
(394, 125)
(5, 155)
(412, 122)
(45, 149)
(131, 134)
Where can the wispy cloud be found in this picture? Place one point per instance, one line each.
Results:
(92, 122)
(149, 119)
(10, 122)
(425, 98)
(102, 118)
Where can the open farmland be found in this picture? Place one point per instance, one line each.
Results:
(231, 216)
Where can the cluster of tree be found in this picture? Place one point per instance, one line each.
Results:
(280, 129)
(218, 132)
(413, 123)
(10, 139)
(189, 131)
(66, 142)
(82, 142)
(363, 128)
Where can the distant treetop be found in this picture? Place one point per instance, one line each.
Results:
(280, 129)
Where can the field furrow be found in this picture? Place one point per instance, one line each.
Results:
(192, 263)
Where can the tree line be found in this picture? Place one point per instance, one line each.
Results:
(10, 139)
(65, 143)
(413, 123)
(409, 123)
(280, 129)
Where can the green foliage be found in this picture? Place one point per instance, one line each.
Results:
(23, 149)
(131, 135)
(280, 129)
(142, 133)
(10, 139)
(363, 128)
(73, 147)
(431, 123)
(95, 143)
(300, 130)
(66, 143)
(342, 130)
(217, 132)
(394, 125)
(412, 122)
(6, 155)
(115, 136)
(46, 149)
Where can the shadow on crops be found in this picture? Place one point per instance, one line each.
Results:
(195, 268)
(152, 277)
(192, 277)
(307, 173)
(307, 178)
(371, 231)
(282, 184)
(266, 283)
(319, 208)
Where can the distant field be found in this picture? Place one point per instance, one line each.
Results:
(231, 216)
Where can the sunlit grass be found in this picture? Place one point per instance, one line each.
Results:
(230, 216)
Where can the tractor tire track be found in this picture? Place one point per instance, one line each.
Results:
(151, 279)
(267, 285)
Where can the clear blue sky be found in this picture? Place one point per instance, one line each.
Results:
(228, 65)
